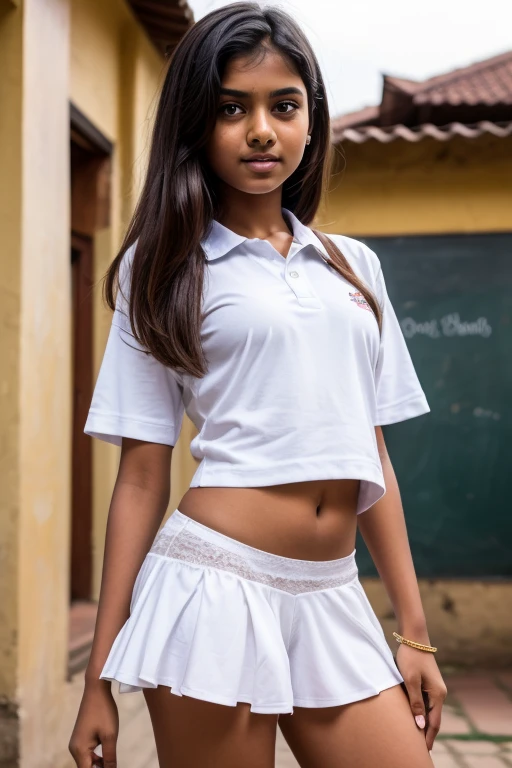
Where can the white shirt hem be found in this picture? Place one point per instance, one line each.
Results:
(216, 473)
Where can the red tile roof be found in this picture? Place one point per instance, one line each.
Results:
(386, 135)
(466, 101)
(486, 82)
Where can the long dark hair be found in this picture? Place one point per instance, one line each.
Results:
(180, 197)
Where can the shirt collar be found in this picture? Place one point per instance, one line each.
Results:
(221, 240)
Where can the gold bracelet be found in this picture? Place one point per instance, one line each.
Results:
(419, 646)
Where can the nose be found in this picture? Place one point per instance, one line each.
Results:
(260, 130)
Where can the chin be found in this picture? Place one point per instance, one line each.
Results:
(256, 187)
(261, 190)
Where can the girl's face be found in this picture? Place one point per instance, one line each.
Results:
(262, 108)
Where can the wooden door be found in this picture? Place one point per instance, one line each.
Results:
(81, 494)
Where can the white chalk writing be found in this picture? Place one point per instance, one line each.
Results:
(448, 325)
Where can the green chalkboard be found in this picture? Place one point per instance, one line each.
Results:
(453, 298)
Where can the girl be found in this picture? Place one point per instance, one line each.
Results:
(245, 610)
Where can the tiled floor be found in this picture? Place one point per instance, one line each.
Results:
(476, 728)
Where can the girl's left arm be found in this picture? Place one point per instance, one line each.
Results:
(385, 534)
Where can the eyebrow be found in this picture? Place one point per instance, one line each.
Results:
(279, 92)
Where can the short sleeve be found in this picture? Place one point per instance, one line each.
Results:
(135, 395)
(399, 394)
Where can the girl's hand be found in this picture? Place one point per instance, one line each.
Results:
(420, 672)
(97, 723)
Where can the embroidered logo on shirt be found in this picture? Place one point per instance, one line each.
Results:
(360, 300)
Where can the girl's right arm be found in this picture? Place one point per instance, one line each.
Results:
(139, 502)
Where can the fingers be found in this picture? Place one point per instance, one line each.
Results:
(82, 757)
(413, 685)
(434, 716)
(106, 758)
(429, 721)
(108, 743)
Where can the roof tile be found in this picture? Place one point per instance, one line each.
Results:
(412, 109)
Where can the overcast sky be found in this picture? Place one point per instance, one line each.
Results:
(358, 41)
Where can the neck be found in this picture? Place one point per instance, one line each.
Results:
(253, 215)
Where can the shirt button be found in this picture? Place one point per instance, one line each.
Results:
(294, 274)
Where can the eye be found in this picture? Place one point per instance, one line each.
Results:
(289, 103)
(231, 105)
(225, 106)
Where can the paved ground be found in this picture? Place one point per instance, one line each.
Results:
(476, 730)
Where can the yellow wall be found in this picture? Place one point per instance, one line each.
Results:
(10, 305)
(44, 371)
(93, 53)
(425, 188)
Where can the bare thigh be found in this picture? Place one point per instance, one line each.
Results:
(379, 730)
(191, 733)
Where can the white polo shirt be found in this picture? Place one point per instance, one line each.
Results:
(297, 374)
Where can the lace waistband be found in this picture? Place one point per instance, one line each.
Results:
(183, 538)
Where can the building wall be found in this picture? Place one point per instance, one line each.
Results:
(45, 384)
(35, 387)
(430, 187)
(461, 186)
(115, 75)
(10, 308)
(94, 54)
(106, 45)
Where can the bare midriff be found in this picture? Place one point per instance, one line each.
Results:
(311, 520)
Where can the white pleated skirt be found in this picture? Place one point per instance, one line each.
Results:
(219, 620)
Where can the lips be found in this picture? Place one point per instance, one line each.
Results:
(256, 158)
(261, 163)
